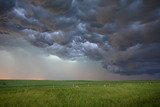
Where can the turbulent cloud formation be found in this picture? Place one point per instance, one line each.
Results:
(123, 35)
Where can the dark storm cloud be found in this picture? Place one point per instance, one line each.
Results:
(6, 5)
(123, 34)
(138, 58)
(147, 33)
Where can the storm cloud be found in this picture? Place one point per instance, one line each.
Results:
(6, 6)
(123, 35)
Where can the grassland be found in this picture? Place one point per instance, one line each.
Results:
(46, 93)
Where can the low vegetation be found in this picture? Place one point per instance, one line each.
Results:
(48, 93)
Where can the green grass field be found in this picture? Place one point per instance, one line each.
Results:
(48, 93)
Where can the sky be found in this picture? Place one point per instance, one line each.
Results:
(80, 39)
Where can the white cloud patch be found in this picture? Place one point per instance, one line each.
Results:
(20, 12)
(89, 45)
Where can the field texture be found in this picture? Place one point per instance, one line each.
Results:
(46, 93)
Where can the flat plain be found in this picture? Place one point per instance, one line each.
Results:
(79, 93)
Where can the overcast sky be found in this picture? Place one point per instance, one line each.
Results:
(80, 39)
